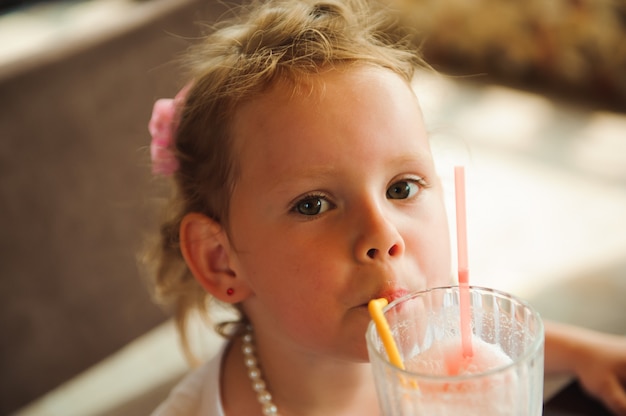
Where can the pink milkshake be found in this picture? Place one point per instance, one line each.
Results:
(502, 377)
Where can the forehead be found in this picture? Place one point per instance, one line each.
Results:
(372, 104)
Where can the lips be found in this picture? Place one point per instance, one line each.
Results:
(392, 295)
(391, 285)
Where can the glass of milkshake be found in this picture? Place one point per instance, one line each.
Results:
(496, 369)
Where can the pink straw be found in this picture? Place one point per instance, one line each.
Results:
(461, 233)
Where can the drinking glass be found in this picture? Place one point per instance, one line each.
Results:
(502, 376)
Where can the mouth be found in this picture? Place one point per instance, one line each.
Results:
(390, 295)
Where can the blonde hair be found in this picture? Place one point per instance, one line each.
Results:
(239, 60)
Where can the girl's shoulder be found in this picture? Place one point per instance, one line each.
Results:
(198, 393)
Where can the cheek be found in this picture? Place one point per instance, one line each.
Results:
(431, 246)
(296, 294)
(286, 264)
(441, 262)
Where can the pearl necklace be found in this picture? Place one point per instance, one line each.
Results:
(255, 375)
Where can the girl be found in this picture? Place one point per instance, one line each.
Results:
(305, 187)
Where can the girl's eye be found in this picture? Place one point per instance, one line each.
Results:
(312, 205)
(402, 190)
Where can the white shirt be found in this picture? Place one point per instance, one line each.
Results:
(198, 394)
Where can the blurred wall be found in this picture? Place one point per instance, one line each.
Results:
(74, 201)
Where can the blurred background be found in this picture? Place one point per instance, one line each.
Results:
(77, 84)
(530, 97)
(572, 47)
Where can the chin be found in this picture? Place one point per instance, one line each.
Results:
(359, 355)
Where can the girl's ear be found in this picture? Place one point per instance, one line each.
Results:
(206, 249)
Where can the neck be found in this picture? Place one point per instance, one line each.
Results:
(318, 386)
(301, 384)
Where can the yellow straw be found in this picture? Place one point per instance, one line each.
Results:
(375, 308)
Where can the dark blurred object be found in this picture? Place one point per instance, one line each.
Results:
(571, 47)
(574, 401)
(8, 5)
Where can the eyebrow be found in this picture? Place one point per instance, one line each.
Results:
(421, 161)
(288, 179)
(420, 158)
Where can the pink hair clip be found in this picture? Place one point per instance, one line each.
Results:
(162, 127)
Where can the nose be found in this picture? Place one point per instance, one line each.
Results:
(378, 236)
